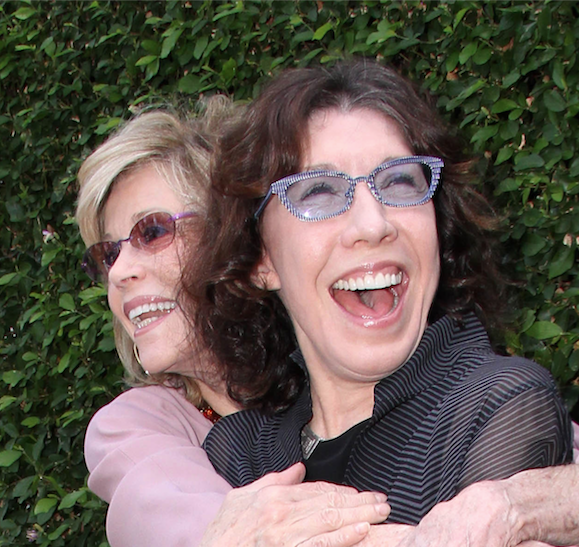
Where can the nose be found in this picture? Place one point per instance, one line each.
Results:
(367, 220)
(128, 266)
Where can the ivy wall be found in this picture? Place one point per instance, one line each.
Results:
(505, 72)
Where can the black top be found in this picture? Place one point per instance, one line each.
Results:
(454, 414)
(329, 460)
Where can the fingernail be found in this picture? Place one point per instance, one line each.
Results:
(384, 509)
(362, 528)
(380, 498)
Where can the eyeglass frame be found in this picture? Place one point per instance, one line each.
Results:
(118, 244)
(281, 186)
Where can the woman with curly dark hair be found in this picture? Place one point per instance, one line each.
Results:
(349, 279)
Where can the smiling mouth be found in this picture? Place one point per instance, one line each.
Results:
(144, 315)
(368, 297)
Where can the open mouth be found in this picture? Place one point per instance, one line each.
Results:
(369, 297)
(144, 315)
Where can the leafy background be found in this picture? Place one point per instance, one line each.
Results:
(505, 72)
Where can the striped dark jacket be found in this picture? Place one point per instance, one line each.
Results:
(454, 414)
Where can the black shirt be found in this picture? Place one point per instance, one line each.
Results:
(329, 459)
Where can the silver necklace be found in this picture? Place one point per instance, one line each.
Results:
(309, 441)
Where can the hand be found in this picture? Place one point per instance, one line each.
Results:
(278, 511)
(479, 516)
(387, 535)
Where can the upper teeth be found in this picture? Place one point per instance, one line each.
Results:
(153, 306)
(378, 281)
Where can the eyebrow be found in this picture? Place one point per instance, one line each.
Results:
(332, 167)
(134, 219)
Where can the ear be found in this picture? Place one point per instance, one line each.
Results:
(265, 275)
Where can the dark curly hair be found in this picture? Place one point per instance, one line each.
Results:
(248, 328)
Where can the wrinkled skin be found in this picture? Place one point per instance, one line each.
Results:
(278, 511)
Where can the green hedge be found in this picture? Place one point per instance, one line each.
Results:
(505, 72)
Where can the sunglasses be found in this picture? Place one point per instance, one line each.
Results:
(153, 233)
(319, 195)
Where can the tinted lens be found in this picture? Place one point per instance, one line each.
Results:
(99, 258)
(404, 184)
(153, 232)
(317, 196)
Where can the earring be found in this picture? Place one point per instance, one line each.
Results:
(136, 353)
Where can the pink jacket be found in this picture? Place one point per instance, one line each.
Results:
(143, 451)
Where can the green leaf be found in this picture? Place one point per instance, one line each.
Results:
(532, 245)
(170, 41)
(8, 457)
(66, 302)
(554, 101)
(70, 499)
(24, 13)
(190, 84)
(30, 422)
(467, 53)
(485, 133)
(146, 60)
(321, 32)
(64, 362)
(559, 75)
(6, 401)
(12, 377)
(530, 161)
(7, 278)
(562, 263)
(541, 330)
(200, 45)
(503, 105)
(45, 505)
(504, 154)
(60, 531)
(512, 78)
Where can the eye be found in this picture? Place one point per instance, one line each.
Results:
(318, 188)
(402, 182)
(110, 253)
(152, 232)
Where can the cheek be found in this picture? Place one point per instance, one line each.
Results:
(168, 267)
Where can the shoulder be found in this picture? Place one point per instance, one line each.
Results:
(143, 412)
(509, 373)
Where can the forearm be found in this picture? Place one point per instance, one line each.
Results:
(545, 504)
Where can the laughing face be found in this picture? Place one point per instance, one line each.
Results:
(359, 286)
(142, 286)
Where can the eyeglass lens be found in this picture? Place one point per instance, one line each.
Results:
(153, 233)
(404, 184)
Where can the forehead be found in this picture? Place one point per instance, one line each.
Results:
(134, 195)
(355, 141)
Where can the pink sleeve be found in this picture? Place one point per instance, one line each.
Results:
(575, 442)
(143, 451)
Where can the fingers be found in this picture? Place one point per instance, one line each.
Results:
(345, 537)
(292, 475)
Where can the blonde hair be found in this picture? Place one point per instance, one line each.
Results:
(180, 150)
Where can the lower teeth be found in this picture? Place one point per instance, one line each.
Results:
(146, 322)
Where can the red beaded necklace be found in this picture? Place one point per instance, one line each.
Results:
(209, 413)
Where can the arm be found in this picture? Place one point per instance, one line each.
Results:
(531, 506)
(144, 457)
(538, 505)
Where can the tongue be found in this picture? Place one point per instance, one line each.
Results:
(373, 303)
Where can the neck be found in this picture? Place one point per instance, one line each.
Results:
(217, 399)
(336, 410)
